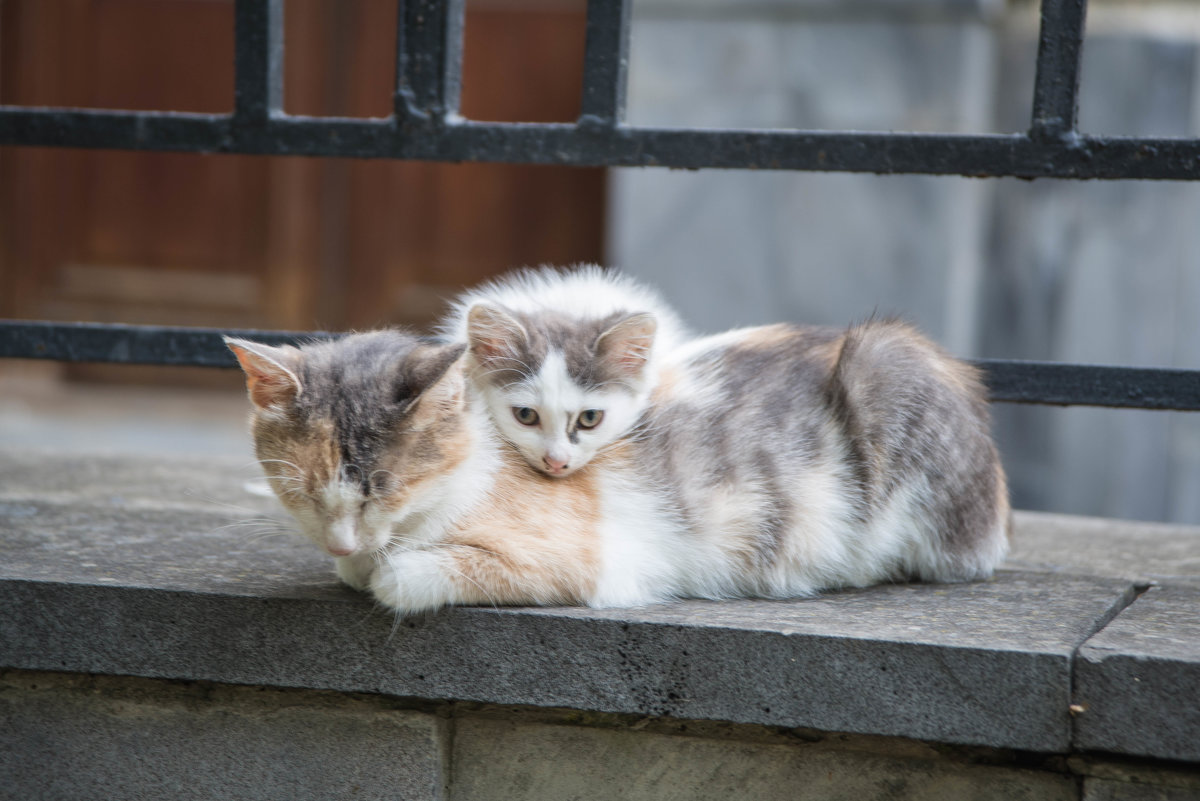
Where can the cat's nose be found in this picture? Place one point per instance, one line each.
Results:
(554, 465)
(340, 538)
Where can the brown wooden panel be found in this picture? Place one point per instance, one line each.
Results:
(288, 242)
(523, 61)
(419, 232)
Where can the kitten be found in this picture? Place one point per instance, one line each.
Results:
(776, 462)
(565, 361)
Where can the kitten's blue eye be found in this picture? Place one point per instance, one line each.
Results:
(590, 418)
(525, 416)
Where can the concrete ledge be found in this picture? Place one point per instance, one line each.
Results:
(1143, 667)
(141, 568)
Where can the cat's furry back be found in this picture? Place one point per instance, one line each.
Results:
(776, 462)
(565, 360)
(823, 457)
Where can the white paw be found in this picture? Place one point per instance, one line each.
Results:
(412, 581)
(355, 571)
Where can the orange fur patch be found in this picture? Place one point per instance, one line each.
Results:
(536, 540)
(767, 336)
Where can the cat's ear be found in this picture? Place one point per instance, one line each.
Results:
(270, 371)
(437, 372)
(625, 346)
(493, 334)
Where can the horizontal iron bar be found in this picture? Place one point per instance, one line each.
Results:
(132, 344)
(1008, 381)
(977, 155)
(1060, 384)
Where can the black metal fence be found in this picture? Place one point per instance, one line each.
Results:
(425, 124)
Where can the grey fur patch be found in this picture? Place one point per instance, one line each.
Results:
(909, 423)
(575, 339)
(364, 386)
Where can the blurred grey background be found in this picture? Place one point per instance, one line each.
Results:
(1073, 271)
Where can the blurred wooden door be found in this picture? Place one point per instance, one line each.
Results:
(191, 239)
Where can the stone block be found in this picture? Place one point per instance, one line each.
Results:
(1109, 790)
(1138, 679)
(67, 737)
(1142, 552)
(1136, 780)
(505, 759)
(117, 569)
(149, 587)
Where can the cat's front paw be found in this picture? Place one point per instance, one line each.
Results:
(356, 570)
(412, 581)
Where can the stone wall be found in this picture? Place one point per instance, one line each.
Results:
(1091, 272)
(77, 736)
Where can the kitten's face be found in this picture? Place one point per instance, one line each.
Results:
(560, 390)
(354, 434)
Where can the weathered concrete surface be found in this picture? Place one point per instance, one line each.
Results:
(95, 737)
(122, 569)
(1144, 553)
(1139, 679)
(507, 759)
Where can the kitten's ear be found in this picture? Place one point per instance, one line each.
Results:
(270, 372)
(625, 346)
(493, 333)
(437, 373)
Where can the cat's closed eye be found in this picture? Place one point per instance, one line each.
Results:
(525, 416)
(590, 418)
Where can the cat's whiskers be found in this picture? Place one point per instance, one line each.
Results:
(614, 382)
(264, 462)
(396, 481)
(264, 527)
(263, 534)
(638, 432)
(480, 373)
(215, 502)
(490, 598)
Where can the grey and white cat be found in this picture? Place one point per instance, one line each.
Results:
(776, 462)
(564, 361)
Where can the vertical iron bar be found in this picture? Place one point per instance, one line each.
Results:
(258, 67)
(258, 90)
(1056, 84)
(606, 62)
(429, 55)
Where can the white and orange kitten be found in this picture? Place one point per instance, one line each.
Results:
(565, 361)
(775, 462)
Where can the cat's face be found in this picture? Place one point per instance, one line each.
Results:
(560, 390)
(355, 434)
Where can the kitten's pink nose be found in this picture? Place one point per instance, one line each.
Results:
(554, 465)
(340, 550)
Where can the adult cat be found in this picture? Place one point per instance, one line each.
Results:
(775, 462)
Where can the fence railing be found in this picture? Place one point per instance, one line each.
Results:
(426, 125)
